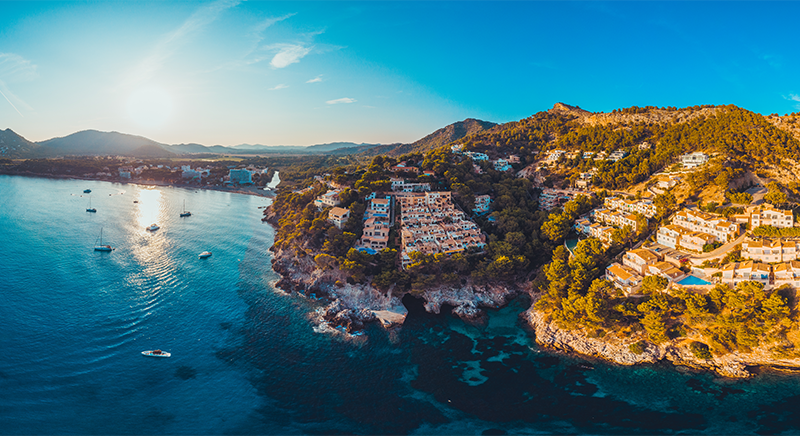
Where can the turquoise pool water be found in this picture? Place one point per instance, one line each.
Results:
(692, 280)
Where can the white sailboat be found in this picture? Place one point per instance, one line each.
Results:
(99, 246)
(185, 212)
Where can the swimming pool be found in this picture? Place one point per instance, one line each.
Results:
(692, 280)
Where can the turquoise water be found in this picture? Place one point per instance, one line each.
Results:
(248, 360)
(692, 280)
(571, 244)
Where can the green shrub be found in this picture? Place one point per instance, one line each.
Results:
(700, 350)
(638, 347)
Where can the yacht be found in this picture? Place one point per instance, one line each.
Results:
(156, 353)
(185, 212)
(90, 208)
(153, 227)
(205, 254)
(99, 246)
(87, 191)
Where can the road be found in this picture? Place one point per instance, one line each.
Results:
(721, 251)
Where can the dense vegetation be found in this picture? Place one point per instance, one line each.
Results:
(739, 137)
(727, 319)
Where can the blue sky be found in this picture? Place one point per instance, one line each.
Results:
(231, 72)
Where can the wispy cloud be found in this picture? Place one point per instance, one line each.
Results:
(341, 100)
(288, 54)
(315, 80)
(792, 97)
(262, 26)
(172, 41)
(277, 87)
(15, 68)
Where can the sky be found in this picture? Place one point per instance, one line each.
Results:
(230, 72)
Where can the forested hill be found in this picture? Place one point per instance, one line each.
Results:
(653, 138)
(443, 136)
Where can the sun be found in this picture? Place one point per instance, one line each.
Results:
(150, 106)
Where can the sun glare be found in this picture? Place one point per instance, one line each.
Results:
(150, 106)
(150, 204)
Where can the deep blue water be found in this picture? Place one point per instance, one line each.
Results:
(246, 357)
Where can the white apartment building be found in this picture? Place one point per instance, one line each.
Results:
(639, 259)
(616, 218)
(737, 272)
(693, 160)
(432, 224)
(769, 250)
(645, 207)
(768, 215)
(787, 273)
(722, 229)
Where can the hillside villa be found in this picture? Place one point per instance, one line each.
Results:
(338, 216)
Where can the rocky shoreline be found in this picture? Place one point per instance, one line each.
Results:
(354, 305)
(617, 350)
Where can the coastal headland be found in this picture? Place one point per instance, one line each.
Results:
(640, 235)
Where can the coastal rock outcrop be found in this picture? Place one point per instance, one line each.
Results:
(353, 305)
(468, 299)
(618, 350)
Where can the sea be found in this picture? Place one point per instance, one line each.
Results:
(249, 359)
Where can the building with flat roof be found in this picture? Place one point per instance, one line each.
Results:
(338, 216)
(624, 278)
(240, 176)
(768, 215)
(639, 259)
(715, 225)
(328, 199)
(769, 250)
(431, 224)
(737, 272)
(693, 160)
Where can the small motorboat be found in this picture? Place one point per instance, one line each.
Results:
(205, 254)
(156, 353)
(87, 191)
(135, 201)
(153, 227)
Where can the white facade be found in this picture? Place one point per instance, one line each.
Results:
(693, 160)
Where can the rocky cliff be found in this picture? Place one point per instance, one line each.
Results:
(653, 116)
(353, 305)
(618, 350)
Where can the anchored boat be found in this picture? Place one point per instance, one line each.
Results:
(100, 246)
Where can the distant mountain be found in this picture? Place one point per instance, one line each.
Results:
(95, 143)
(441, 137)
(92, 142)
(15, 146)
